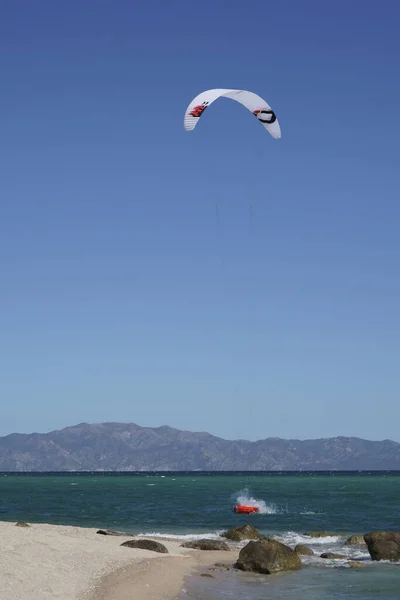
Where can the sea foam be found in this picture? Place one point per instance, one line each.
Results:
(245, 498)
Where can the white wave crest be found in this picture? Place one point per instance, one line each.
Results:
(292, 538)
(334, 544)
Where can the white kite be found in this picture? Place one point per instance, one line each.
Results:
(251, 101)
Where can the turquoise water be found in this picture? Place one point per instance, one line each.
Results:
(198, 504)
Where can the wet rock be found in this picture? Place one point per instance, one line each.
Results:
(246, 532)
(146, 545)
(267, 556)
(110, 532)
(225, 566)
(355, 540)
(303, 550)
(22, 524)
(333, 555)
(206, 545)
(355, 564)
(383, 545)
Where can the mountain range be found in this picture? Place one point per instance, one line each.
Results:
(130, 447)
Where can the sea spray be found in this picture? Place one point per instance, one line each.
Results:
(245, 498)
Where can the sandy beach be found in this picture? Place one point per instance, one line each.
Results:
(47, 562)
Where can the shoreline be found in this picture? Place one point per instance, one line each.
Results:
(43, 562)
(156, 578)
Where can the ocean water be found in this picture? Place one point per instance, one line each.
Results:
(192, 505)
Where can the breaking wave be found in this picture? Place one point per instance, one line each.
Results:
(190, 537)
(292, 538)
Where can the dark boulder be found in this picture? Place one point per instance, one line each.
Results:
(246, 532)
(267, 556)
(146, 545)
(206, 545)
(383, 545)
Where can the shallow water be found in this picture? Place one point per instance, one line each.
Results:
(311, 583)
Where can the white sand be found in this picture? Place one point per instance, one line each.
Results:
(48, 562)
(156, 579)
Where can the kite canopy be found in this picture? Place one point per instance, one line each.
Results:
(251, 101)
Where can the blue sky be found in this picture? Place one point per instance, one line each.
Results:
(124, 297)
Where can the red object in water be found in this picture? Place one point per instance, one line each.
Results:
(245, 510)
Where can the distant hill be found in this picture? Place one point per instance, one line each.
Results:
(129, 447)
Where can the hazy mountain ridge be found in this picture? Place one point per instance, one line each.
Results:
(130, 447)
